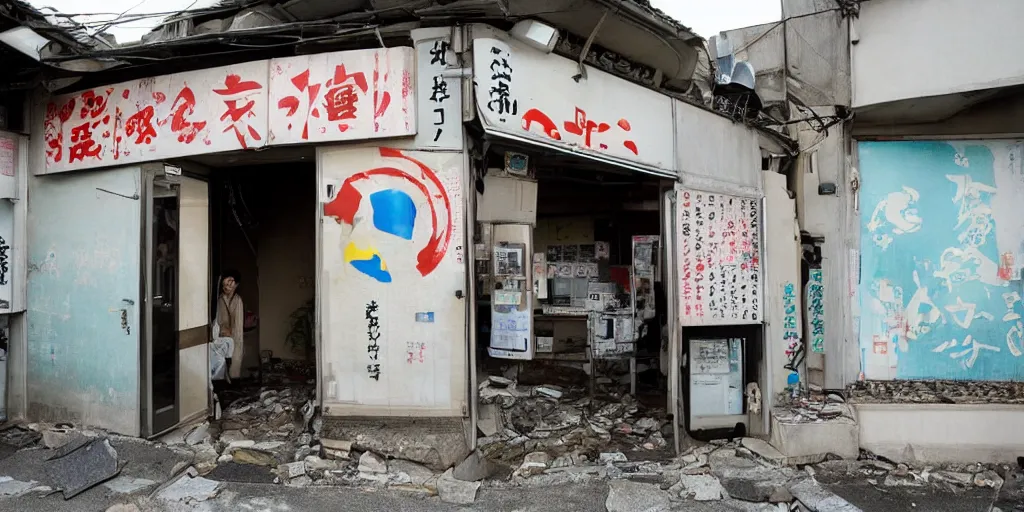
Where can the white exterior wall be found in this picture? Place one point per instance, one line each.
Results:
(915, 48)
(713, 152)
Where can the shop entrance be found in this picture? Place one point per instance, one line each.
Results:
(264, 237)
(571, 309)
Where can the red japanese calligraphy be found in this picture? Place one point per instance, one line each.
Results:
(94, 105)
(239, 107)
(53, 128)
(580, 126)
(340, 100)
(536, 116)
(82, 145)
(140, 124)
(585, 127)
(185, 104)
(630, 145)
(381, 100)
(301, 82)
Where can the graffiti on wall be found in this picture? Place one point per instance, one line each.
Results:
(402, 195)
(373, 334)
(936, 300)
(794, 346)
(816, 310)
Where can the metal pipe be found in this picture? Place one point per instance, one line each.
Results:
(469, 219)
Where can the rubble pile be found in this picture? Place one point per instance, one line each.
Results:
(534, 428)
(882, 472)
(937, 392)
(278, 372)
(815, 406)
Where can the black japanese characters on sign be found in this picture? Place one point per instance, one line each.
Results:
(719, 264)
(4, 268)
(439, 90)
(500, 93)
(373, 333)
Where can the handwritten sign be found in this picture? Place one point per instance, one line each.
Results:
(816, 310)
(325, 97)
(533, 95)
(438, 97)
(719, 259)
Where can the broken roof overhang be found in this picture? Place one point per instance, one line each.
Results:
(631, 28)
(33, 37)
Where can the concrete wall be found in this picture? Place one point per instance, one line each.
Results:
(830, 218)
(941, 256)
(785, 349)
(716, 154)
(942, 433)
(912, 48)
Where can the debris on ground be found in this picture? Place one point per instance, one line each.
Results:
(88, 465)
(455, 491)
(189, 488)
(812, 406)
(567, 425)
(936, 392)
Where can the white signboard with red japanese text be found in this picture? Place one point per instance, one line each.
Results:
(525, 93)
(335, 96)
(719, 257)
(359, 94)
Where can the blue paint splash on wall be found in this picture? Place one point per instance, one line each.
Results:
(394, 212)
(373, 267)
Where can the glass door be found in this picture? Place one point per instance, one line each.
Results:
(162, 289)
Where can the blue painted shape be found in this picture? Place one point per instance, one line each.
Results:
(394, 212)
(426, 317)
(85, 252)
(927, 210)
(373, 267)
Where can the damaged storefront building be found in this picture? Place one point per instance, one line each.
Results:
(907, 195)
(422, 237)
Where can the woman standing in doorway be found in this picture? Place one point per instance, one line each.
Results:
(230, 320)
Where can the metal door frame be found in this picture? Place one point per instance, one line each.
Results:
(149, 426)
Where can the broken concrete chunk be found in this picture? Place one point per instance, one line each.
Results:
(54, 439)
(255, 457)
(83, 468)
(128, 485)
(534, 464)
(198, 434)
(292, 469)
(495, 380)
(475, 468)
(334, 444)
(335, 454)
(612, 457)
(701, 487)
(456, 491)
(626, 496)
(190, 489)
(549, 391)
(12, 487)
(988, 478)
(372, 463)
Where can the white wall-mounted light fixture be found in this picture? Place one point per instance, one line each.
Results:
(536, 35)
(25, 40)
